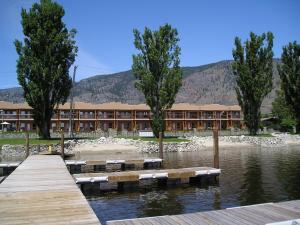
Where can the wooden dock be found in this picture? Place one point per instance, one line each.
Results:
(132, 176)
(42, 191)
(268, 213)
(112, 165)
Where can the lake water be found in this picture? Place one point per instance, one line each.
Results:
(249, 176)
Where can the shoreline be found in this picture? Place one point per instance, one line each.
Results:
(129, 146)
(117, 147)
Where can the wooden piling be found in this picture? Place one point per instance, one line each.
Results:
(161, 154)
(27, 145)
(216, 148)
(62, 145)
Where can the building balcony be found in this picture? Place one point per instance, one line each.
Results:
(64, 116)
(175, 116)
(142, 116)
(191, 116)
(208, 117)
(87, 116)
(13, 116)
(124, 115)
(26, 116)
(108, 116)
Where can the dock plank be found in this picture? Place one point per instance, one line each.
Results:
(253, 214)
(41, 191)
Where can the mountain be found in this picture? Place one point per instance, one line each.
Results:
(211, 83)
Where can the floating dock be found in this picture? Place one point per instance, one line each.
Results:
(7, 168)
(112, 165)
(42, 191)
(269, 213)
(117, 180)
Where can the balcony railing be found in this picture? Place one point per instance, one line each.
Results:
(89, 116)
(64, 116)
(9, 116)
(223, 116)
(124, 116)
(106, 115)
(236, 116)
(175, 115)
(142, 116)
(192, 116)
(26, 116)
(207, 116)
(55, 116)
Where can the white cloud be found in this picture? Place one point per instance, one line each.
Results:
(89, 65)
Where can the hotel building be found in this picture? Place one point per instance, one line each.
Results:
(119, 116)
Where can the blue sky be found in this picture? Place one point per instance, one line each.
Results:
(206, 28)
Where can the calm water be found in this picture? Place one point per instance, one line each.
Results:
(249, 176)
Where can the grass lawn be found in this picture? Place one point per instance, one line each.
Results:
(166, 139)
(33, 141)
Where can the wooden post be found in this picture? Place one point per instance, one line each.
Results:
(216, 148)
(161, 154)
(27, 145)
(62, 144)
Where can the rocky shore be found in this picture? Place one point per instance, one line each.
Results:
(17, 152)
(198, 143)
(193, 144)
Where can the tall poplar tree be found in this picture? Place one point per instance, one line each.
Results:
(289, 72)
(44, 60)
(157, 70)
(252, 68)
(283, 112)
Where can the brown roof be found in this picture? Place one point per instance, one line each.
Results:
(123, 106)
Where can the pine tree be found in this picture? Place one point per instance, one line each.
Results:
(44, 60)
(157, 70)
(289, 73)
(252, 68)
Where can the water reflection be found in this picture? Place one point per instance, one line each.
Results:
(252, 188)
(159, 202)
(217, 200)
(155, 202)
(288, 173)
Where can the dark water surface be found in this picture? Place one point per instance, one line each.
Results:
(249, 176)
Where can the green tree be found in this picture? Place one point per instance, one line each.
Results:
(44, 60)
(252, 68)
(289, 72)
(157, 70)
(283, 112)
